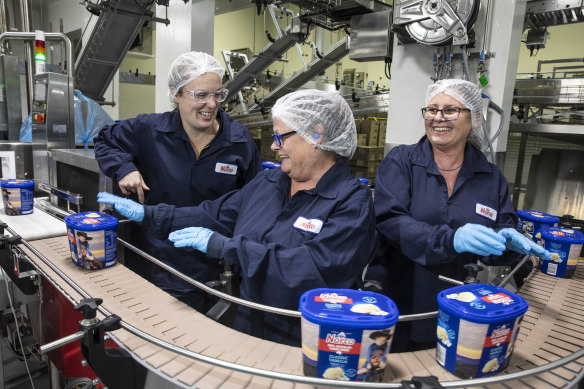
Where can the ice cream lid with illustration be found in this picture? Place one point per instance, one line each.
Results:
(91, 221)
(563, 235)
(481, 303)
(348, 308)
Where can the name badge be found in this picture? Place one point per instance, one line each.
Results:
(310, 225)
(487, 212)
(225, 168)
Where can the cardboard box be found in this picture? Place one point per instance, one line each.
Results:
(382, 132)
(362, 140)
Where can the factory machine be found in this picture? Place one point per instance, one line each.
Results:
(112, 328)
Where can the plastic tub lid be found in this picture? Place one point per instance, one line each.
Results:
(337, 307)
(538, 216)
(270, 165)
(563, 235)
(482, 303)
(17, 183)
(363, 180)
(91, 221)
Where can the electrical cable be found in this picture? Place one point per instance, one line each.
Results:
(18, 332)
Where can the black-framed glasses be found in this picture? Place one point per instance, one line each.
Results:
(278, 137)
(202, 96)
(448, 113)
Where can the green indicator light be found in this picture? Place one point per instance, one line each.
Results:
(40, 57)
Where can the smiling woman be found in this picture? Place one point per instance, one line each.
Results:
(440, 205)
(194, 153)
(307, 225)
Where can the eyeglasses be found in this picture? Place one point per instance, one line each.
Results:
(448, 113)
(202, 96)
(278, 137)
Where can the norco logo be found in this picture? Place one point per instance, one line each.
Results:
(225, 168)
(310, 225)
(485, 211)
(334, 339)
(71, 237)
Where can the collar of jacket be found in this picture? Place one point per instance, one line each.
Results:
(327, 186)
(422, 155)
(229, 130)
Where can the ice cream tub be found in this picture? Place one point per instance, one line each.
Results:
(268, 165)
(346, 334)
(92, 239)
(477, 327)
(531, 222)
(18, 196)
(565, 246)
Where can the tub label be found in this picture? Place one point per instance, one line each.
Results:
(226, 168)
(310, 225)
(472, 350)
(338, 353)
(485, 211)
(92, 250)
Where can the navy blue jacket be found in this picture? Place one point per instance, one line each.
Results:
(319, 238)
(416, 221)
(158, 147)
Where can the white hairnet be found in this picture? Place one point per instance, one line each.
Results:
(305, 109)
(188, 66)
(469, 95)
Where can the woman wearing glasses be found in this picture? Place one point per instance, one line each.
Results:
(307, 225)
(439, 205)
(194, 153)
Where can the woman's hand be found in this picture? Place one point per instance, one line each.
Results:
(195, 237)
(478, 239)
(126, 207)
(517, 242)
(133, 183)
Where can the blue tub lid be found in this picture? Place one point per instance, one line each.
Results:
(91, 221)
(563, 235)
(17, 183)
(537, 216)
(481, 303)
(348, 308)
(364, 180)
(266, 165)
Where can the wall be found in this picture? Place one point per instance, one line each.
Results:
(561, 44)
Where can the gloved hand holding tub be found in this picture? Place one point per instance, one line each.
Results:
(517, 242)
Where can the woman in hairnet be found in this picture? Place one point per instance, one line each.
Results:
(439, 205)
(194, 153)
(307, 225)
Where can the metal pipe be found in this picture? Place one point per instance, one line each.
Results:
(246, 303)
(27, 52)
(60, 342)
(49, 36)
(506, 279)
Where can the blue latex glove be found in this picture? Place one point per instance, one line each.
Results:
(195, 237)
(126, 207)
(517, 242)
(478, 239)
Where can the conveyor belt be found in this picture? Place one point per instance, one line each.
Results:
(37, 225)
(552, 328)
